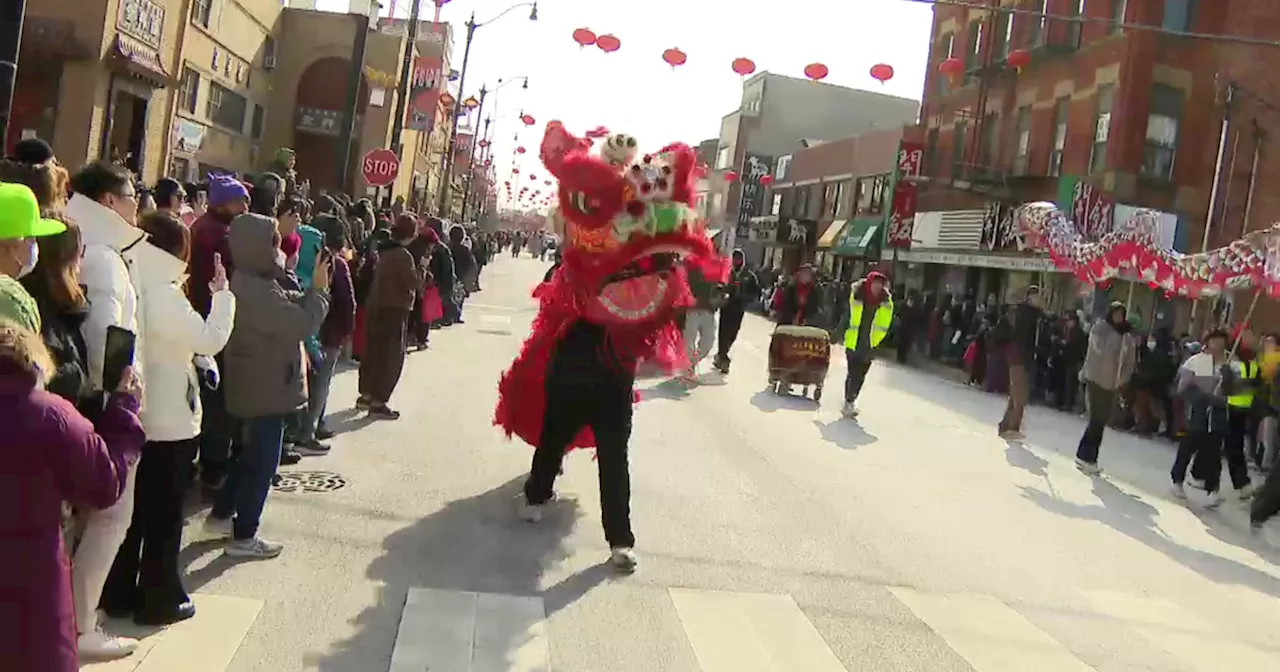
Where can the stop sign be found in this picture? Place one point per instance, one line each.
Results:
(380, 167)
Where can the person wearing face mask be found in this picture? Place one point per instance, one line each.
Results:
(740, 289)
(1108, 365)
(799, 304)
(396, 282)
(21, 227)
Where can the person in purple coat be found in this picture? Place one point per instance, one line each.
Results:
(50, 454)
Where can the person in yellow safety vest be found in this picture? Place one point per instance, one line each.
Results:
(1247, 373)
(870, 315)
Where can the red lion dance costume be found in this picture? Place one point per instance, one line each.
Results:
(629, 231)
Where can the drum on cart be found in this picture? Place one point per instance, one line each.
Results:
(799, 356)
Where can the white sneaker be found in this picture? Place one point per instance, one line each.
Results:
(1179, 492)
(1215, 498)
(623, 559)
(1247, 491)
(526, 511)
(218, 528)
(850, 411)
(1090, 468)
(98, 645)
(256, 548)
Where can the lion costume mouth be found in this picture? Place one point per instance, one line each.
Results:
(645, 289)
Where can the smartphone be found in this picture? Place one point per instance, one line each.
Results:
(117, 356)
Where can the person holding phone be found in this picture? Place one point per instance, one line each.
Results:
(264, 377)
(145, 580)
(52, 455)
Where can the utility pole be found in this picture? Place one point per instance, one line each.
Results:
(447, 179)
(348, 134)
(471, 155)
(11, 15)
(406, 72)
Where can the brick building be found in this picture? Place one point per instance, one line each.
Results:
(838, 194)
(1103, 118)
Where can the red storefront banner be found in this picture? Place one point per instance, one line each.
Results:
(1093, 211)
(902, 216)
(424, 93)
(910, 159)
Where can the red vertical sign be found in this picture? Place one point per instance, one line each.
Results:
(902, 212)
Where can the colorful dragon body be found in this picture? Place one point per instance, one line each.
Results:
(1251, 260)
(628, 232)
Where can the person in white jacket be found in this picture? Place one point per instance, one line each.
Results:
(105, 206)
(145, 580)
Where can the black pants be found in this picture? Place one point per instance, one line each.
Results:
(145, 578)
(730, 325)
(606, 409)
(1239, 422)
(218, 432)
(1266, 504)
(859, 364)
(1101, 401)
(1201, 446)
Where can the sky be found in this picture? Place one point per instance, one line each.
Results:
(633, 91)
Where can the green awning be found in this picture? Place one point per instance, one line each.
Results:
(860, 238)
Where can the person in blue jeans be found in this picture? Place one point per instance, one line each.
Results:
(337, 328)
(263, 376)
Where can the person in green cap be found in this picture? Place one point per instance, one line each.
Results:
(20, 226)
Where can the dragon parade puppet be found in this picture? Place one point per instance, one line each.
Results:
(629, 233)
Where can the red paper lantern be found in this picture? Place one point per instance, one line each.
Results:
(447, 99)
(515, 171)
(882, 72)
(608, 43)
(520, 150)
(816, 71)
(674, 57)
(951, 67)
(744, 66)
(730, 176)
(766, 180)
(1018, 59)
(527, 119)
(533, 176)
(482, 143)
(584, 37)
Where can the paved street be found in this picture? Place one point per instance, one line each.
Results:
(772, 536)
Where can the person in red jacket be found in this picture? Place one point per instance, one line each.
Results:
(227, 199)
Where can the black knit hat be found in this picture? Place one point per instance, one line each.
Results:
(32, 151)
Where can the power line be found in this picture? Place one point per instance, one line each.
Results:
(1076, 18)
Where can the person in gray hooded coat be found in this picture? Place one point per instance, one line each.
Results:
(265, 374)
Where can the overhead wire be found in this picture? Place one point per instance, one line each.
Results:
(1079, 18)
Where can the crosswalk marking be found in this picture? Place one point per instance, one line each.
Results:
(451, 631)
(206, 643)
(1196, 642)
(748, 632)
(989, 634)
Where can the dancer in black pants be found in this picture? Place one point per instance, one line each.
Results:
(740, 289)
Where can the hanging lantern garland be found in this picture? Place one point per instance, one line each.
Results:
(882, 72)
(951, 67)
(816, 71)
(584, 37)
(608, 43)
(674, 57)
(1018, 59)
(528, 120)
(743, 66)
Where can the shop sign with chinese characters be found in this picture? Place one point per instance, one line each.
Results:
(142, 19)
(319, 122)
(902, 211)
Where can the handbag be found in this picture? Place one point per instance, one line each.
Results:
(432, 308)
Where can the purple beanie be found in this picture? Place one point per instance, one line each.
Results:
(224, 189)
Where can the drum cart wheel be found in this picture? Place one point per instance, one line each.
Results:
(817, 393)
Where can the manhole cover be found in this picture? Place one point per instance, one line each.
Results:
(309, 481)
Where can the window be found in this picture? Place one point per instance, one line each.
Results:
(972, 58)
(259, 118)
(957, 146)
(1118, 8)
(202, 11)
(945, 44)
(801, 203)
(844, 199)
(1004, 33)
(1024, 140)
(190, 90)
(269, 53)
(722, 158)
(830, 197)
(1035, 33)
(1161, 145)
(1073, 34)
(1101, 127)
(777, 205)
(871, 194)
(930, 166)
(990, 146)
(814, 202)
(1179, 15)
(226, 107)
(1060, 111)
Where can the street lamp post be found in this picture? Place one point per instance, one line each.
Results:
(364, 23)
(471, 154)
(446, 182)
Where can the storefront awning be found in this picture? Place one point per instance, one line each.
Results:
(860, 238)
(832, 233)
(139, 60)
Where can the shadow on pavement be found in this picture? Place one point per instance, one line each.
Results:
(471, 545)
(1129, 515)
(1018, 456)
(846, 433)
(667, 389)
(769, 402)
